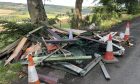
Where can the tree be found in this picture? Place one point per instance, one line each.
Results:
(78, 10)
(36, 11)
(132, 6)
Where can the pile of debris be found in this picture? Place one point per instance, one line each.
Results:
(74, 51)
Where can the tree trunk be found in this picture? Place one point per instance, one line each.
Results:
(36, 11)
(78, 9)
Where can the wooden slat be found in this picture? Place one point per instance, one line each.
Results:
(60, 41)
(54, 34)
(9, 48)
(71, 67)
(84, 37)
(89, 66)
(60, 58)
(31, 32)
(105, 72)
(17, 50)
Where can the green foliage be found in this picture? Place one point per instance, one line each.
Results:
(111, 12)
(53, 21)
(13, 31)
(19, 28)
(73, 22)
(72, 19)
(87, 21)
(132, 6)
(103, 16)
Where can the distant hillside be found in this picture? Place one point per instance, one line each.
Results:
(49, 8)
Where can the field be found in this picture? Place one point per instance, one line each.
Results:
(4, 12)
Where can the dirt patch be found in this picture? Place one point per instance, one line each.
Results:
(4, 12)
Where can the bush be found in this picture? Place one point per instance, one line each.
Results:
(53, 21)
(73, 22)
(103, 18)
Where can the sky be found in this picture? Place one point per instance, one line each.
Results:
(56, 2)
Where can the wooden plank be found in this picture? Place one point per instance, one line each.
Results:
(77, 31)
(71, 67)
(92, 64)
(34, 30)
(61, 41)
(60, 58)
(84, 37)
(106, 74)
(65, 52)
(54, 34)
(51, 53)
(32, 49)
(59, 31)
(9, 48)
(60, 67)
(17, 50)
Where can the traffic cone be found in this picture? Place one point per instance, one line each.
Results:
(127, 32)
(108, 56)
(32, 73)
(70, 34)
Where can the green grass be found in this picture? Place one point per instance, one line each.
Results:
(129, 16)
(9, 73)
(107, 24)
(63, 25)
(51, 15)
(12, 32)
(6, 39)
(14, 18)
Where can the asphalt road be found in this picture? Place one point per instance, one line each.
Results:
(127, 71)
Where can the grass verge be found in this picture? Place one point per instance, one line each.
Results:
(9, 73)
(107, 24)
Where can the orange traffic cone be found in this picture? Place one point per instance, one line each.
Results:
(127, 32)
(32, 73)
(109, 57)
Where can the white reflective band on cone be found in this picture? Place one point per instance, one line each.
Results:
(127, 31)
(32, 74)
(109, 46)
(105, 38)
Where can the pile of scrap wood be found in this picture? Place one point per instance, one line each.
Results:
(74, 51)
